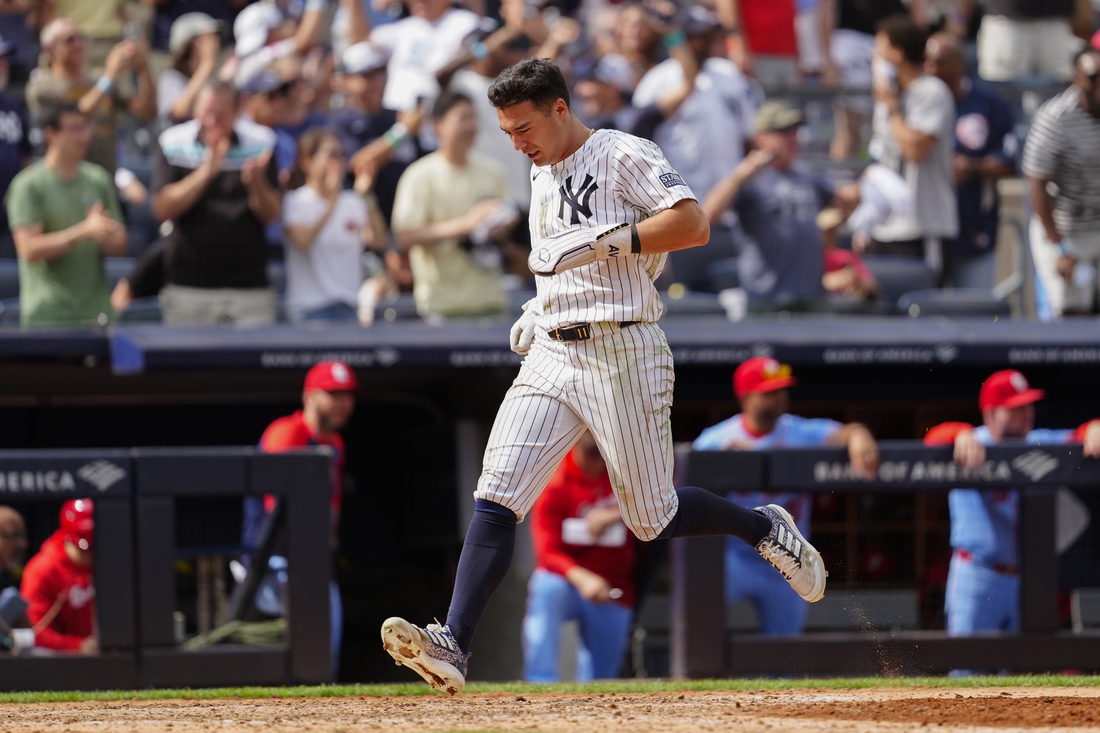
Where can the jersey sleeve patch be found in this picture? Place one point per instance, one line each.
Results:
(671, 180)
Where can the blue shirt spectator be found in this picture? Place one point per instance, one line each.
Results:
(986, 149)
(984, 129)
(15, 153)
(777, 199)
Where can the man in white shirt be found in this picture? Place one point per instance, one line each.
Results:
(706, 137)
(914, 135)
(418, 47)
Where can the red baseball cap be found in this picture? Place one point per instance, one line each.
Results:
(77, 522)
(331, 376)
(1008, 388)
(761, 374)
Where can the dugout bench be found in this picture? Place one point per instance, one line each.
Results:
(697, 602)
(134, 493)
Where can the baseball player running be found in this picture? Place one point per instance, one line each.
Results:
(606, 209)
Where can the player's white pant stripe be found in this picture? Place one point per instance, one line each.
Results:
(620, 387)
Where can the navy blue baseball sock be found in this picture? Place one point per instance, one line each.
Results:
(486, 556)
(703, 513)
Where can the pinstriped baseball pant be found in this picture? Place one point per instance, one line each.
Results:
(618, 386)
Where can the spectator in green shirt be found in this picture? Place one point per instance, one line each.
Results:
(65, 219)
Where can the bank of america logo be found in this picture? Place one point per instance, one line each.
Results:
(101, 474)
(1035, 464)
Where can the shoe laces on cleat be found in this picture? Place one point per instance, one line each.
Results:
(781, 546)
(444, 647)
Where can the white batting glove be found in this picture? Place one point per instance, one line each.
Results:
(523, 330)
(578, 247)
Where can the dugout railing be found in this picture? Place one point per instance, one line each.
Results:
(701, 647)
(135, 494)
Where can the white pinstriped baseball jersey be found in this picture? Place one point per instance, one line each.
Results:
(613, 178)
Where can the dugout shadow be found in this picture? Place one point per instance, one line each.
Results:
(300, 480)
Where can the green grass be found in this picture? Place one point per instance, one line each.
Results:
(623, 686)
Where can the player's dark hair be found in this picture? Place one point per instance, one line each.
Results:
(534, 80)
(446, 101)
(904, 33)
(50, 116)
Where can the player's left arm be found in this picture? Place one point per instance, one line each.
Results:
(682, 226)
(644, 181)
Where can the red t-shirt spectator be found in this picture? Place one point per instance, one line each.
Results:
(290, 432)
(570, 494)
(838, 259)
(61, 592)
(768, 26)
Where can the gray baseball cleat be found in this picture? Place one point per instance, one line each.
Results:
(789, 553)
(432, 653)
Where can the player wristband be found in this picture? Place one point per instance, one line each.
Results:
(396, 134)
(479, 50)
(104, 84)
(635, 240)
(614, 242)
(676, 38)
(313, 6)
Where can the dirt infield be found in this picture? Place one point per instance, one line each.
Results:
(805, 711)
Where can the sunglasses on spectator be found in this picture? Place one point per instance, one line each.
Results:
(15, 536)
(69, 40)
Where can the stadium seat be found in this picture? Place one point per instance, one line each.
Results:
(9, 311)
(276, 275)
(1084, 609)
(724, 274)
(117, 268)
(898, 275)
(401, 308)
(9, 279)
(958, 302)
(142, 310)
(692, 304)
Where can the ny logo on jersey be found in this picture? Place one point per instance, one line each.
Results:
(579, 201)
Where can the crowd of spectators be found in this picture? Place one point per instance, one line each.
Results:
(353, 144)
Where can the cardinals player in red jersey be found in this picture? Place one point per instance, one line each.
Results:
(585, 572)
(328, 400)
(58, 586)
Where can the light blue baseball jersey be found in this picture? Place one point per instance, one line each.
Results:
(984, 522)
(748, 576)
(791, 431)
